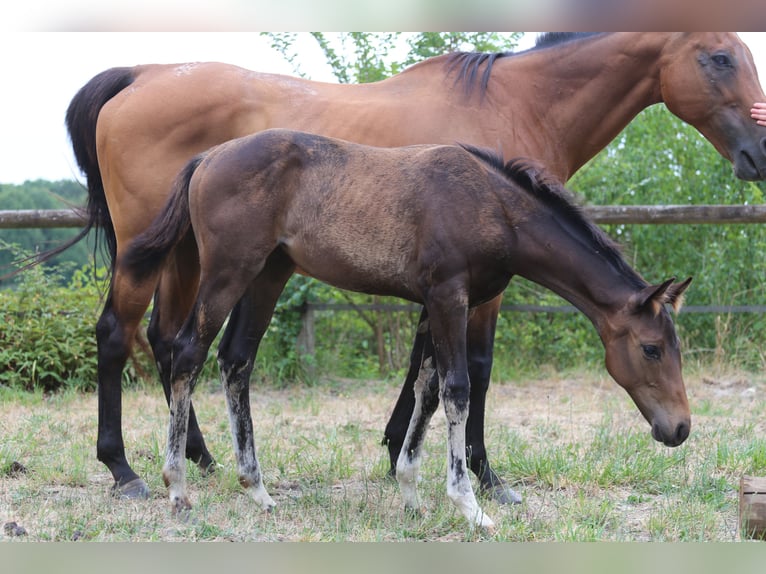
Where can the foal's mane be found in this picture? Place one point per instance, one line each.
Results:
(533, 178)
(468, 64)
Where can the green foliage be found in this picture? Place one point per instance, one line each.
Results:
(47, 336)
(41, 194)
(429, 44)
(361, 57)
(660, 160)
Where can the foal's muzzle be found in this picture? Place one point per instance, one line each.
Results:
(678, 436)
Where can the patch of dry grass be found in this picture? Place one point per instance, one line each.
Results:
(574, 446)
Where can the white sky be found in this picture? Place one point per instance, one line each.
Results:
(42, 71)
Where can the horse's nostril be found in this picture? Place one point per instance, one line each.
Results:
(682, 432)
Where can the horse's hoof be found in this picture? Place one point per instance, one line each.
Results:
(134, 490)
(502, 494)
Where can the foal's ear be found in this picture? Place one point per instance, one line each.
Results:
(666, 292)
(674, 295)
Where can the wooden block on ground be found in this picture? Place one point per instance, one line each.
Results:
(752, 507)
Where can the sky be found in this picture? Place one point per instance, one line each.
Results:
(41, 72)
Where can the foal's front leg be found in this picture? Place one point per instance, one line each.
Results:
(426, 394)
(449, 316)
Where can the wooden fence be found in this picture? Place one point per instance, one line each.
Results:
(641, 214)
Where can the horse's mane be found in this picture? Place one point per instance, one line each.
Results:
(468, 64)
(536, 180)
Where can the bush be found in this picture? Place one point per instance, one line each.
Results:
(47, 338)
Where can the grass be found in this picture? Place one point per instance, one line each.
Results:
(573, 445)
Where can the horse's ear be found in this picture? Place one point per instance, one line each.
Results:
(666, 292)
(650, 295)
(675, 294)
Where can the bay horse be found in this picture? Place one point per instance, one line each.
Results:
(392, 221)
(132, 129)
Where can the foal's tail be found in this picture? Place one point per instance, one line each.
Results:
(149, 250)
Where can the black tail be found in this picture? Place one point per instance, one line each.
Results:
(149, 250)
(81, 117)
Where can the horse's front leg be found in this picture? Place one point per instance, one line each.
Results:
(448, 312)
(482, 322)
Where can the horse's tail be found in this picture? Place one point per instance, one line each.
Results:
(81, 118)
(149, 250)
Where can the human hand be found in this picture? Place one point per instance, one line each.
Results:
(758, 113)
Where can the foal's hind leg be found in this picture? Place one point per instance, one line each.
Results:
(236, 356)
(172, 303)
(216, 298)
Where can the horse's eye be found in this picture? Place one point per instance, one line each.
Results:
(721, 60)
(652, 352)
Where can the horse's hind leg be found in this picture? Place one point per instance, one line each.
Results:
(172, 303)
(115, 330)
(481, 337)
(236, 357)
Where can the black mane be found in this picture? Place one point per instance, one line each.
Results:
(536, 180)
(468, 64)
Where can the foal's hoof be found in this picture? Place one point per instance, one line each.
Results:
(134, 490)
(181, 509)
(207, 467)
(502, 494)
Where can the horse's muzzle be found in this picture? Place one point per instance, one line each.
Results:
(750, 164)
(678, 436)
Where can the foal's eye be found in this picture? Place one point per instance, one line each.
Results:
(721, 60)
(651, 352)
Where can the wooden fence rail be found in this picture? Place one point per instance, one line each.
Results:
(41, 218)
(641, 214)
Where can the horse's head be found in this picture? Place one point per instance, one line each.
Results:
(709, 80)
(643, 356)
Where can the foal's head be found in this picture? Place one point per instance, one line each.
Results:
(643, 356)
